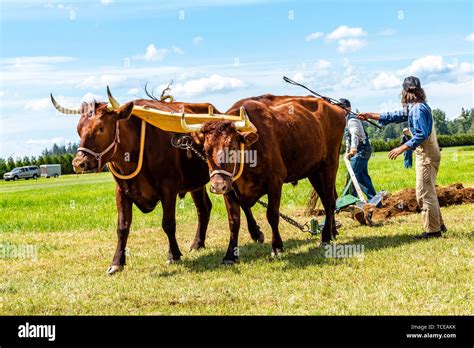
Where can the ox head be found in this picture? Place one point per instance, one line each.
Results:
(223, 143)
(98, 130)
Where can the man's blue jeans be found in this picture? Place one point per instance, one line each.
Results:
(359, 165)
(408, 158)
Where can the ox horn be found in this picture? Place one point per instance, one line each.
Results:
(189, 128)
(245, 121)
(114, 103)
(62, 109)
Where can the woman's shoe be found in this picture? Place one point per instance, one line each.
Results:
(426, 235)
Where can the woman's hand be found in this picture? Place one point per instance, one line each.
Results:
(397, 151)
(364, 116)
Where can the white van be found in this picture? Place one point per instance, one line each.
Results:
(50, 170)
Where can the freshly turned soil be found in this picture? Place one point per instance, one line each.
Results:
(404, 201)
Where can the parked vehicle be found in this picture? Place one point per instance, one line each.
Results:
(22, 173)
(50, 170)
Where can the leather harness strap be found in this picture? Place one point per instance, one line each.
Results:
(98, 155)
(232, 175)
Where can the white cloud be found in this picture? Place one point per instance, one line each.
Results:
(314, 36)
(322, 64)
(386, 81)
(197, 40)
(27, 60)
(102, 81)
(427, 65)
(429, 69)
(38, 104)
(90, 97)
(213, 83)
(42, 104)
(177, 50)
(43, 142)
(470, 37)
(344, 31)
(106, 2)
(299, 77)
(387, 32)
(350, 45)
(154, 54)
(133, 91)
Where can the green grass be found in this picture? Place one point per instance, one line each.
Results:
(72, 220)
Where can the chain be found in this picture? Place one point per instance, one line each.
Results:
(301, 227)
(185, 142)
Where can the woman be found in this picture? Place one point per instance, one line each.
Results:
(424, 142)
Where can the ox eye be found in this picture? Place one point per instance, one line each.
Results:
(90, 114)
(101, 129)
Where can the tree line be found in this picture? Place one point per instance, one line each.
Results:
(57, 154)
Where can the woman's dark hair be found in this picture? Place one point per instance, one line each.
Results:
(413, 95)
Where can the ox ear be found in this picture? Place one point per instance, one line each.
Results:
(125, 111)
(248, 138)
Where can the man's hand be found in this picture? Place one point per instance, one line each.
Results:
(352, 152)
(397, 151)
(364, 116)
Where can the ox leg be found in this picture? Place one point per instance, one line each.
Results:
(233, 214)
(124, 209)
(324, 182)
(203, 205)
(273, 217)
(252, 225)
(169, 226)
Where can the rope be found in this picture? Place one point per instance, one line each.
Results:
(328, 99)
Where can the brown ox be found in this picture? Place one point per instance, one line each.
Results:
(166, 171)
(298, 137)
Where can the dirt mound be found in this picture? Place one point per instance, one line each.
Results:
(404, 201)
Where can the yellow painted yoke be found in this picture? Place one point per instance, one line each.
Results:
(171, 122)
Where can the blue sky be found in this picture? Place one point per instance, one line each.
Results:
(223, 51)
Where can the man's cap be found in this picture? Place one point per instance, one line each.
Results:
(345, 103)
(411, 82)
(405, 130)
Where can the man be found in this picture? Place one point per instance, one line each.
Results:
(359, 150)
(428, 156)
(408, 154)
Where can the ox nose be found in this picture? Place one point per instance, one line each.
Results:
(79, 164)
(219, 189)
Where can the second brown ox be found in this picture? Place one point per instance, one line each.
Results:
(298, 137)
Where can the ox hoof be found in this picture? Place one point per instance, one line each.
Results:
(261, 238)
(114, 269)
(229, 262)
(277, 253)
(172, 262)
(194, 247)
(323, 244)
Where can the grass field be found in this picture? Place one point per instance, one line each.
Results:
(71, 221)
